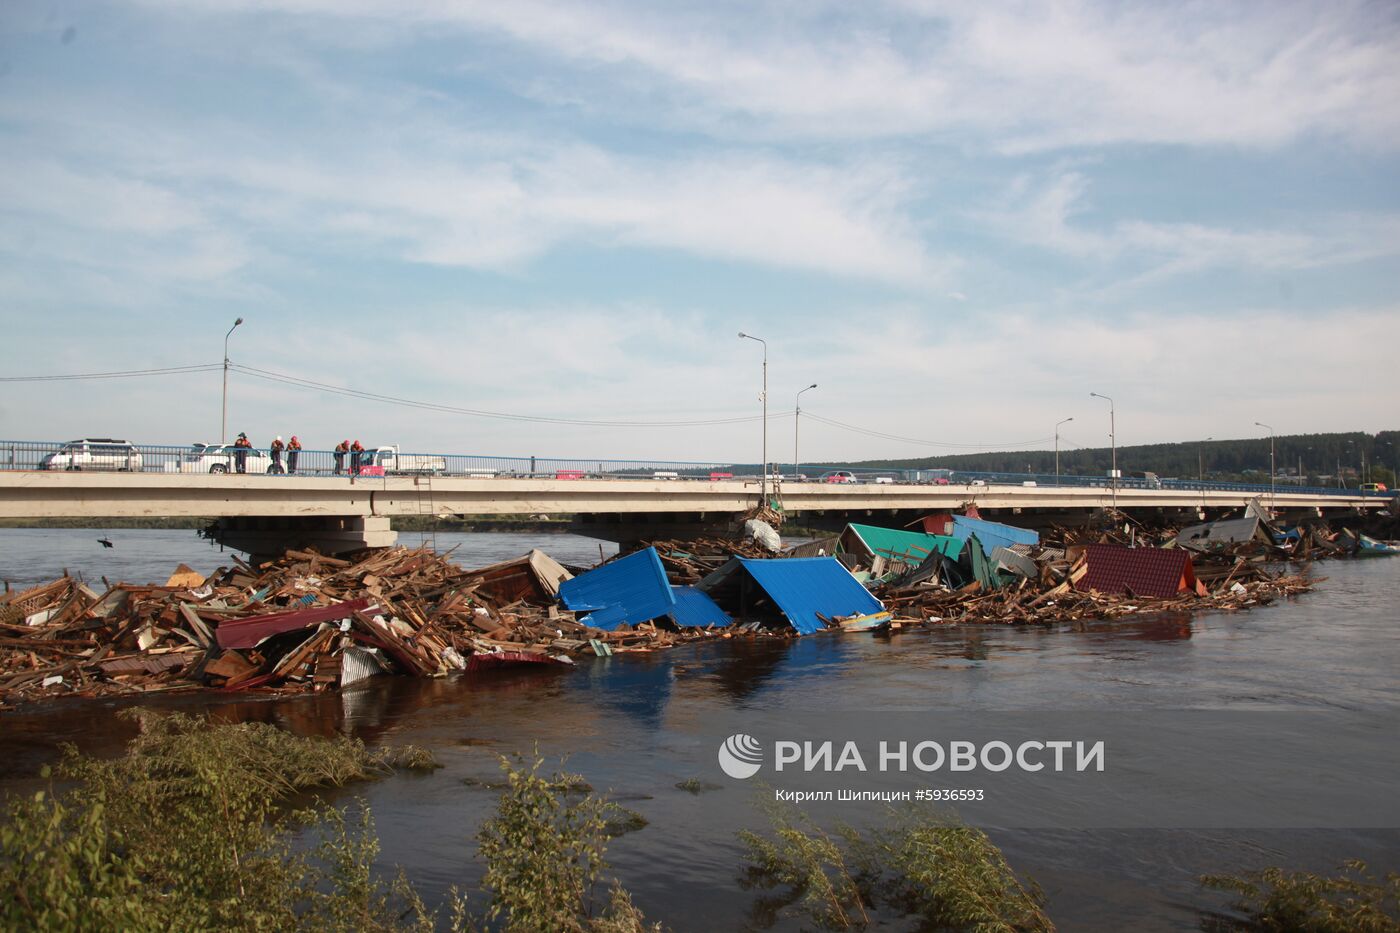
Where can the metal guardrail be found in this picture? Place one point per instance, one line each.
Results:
(98, 455)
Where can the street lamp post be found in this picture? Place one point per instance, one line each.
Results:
(763, 480)
(1273, 473)
(223, 421)
(796, 425)
(1113, 445)
(1057, 448)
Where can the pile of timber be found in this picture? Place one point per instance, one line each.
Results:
(1054, 597)
(305, 621)
(688, 562)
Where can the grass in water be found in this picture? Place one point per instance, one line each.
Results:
(1353, 901)
(950, 877)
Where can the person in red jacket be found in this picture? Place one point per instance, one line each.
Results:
(355, 451)
(240, 452)
(293, 452)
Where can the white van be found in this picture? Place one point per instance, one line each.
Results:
(94, 453)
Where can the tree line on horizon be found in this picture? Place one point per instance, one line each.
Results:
(1320, 457)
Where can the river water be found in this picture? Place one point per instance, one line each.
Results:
(622, 723)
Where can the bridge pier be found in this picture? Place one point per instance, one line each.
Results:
(263, 537)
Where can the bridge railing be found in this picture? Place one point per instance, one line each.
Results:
(99, 455)
(107, 456)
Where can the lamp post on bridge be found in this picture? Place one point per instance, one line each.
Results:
(1273, 473)
(223, 421)
(1057, 447)
(1113, 446)
(796, 425)
(763, 477)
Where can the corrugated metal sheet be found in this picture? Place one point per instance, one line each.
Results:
(1143, 571)
(992, 534)
(627, 591)
(1218, 534)
(1008, 559)
(245, 633)
(695, 609)
(805, 586)
(912, 547)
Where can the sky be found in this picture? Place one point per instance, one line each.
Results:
(549, 221)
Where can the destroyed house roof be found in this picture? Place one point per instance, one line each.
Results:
(695, 609)
(912, 547)
(629, 591)
(1215, 534)
(1143, 571)
(992, 534)
(802, 587)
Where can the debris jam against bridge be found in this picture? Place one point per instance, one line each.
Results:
(307, 621)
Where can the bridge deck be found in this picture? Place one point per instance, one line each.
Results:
(37, 494)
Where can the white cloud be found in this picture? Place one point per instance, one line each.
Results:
(1026, 76)
(1051, 217)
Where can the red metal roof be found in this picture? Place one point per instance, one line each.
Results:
(245, 633)
(1142, 571)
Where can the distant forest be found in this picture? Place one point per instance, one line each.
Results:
(1320, 456)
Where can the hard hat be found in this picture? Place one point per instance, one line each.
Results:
(279, 437)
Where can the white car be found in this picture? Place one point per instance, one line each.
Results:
(220, 458)
(839, 476)
(94, 453)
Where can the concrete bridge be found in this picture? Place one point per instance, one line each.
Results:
(263, 514)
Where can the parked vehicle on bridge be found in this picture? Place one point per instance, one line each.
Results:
(839, 476)
(388, 459)
(1373, 487)
(219, 458)
(94, 453)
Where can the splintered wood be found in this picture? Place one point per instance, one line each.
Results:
(402, 610)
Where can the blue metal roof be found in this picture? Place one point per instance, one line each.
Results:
(992, 534)
(805, 586)
(695, 609)
(630, 590)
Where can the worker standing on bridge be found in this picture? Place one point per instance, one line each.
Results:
(355, 451)
(275, 449)
(341, 450)
(240, 452)
(293, 452)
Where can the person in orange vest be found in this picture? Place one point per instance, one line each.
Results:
(240, 452)
(275, 449)
(293, 451)
(355, 451)
(341, 450)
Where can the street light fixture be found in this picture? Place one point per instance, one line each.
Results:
(796, 422)
(763, 481)
(223, 421)
(1113, 445)
(1057, 448)
(1273, 473)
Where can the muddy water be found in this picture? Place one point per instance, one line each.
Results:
(621, 720)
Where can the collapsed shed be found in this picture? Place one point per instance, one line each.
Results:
(992, 535)
(806, 591)
(1143, 571)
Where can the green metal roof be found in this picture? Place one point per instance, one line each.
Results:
(909, 546)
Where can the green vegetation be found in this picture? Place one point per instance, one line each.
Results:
(544, 857)
(186, 832)
(191, 830)
(950, 877)
(1354, 901)
(1244, 459)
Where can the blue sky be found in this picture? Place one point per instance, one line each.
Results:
(957, 219)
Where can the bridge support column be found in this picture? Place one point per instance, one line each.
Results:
(263, 538)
